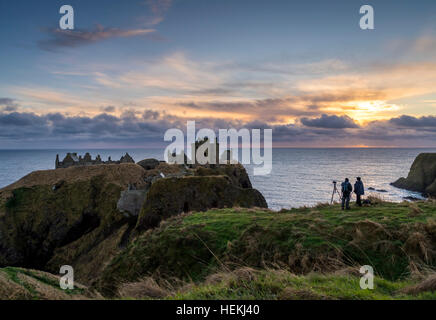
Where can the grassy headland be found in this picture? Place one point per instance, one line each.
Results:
(319, 248)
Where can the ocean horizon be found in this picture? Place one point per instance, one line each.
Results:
(299, 177)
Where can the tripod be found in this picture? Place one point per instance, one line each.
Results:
(335, 190)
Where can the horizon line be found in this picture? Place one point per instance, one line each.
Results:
(155, 148)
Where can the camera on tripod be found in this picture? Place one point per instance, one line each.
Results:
(335, 191)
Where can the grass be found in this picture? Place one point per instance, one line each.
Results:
(396, 239)
(240, 253)
(13, 275)
(283, 285)
(18, 195)
(54, 283)
(19, 283)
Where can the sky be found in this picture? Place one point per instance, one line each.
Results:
(132, 69)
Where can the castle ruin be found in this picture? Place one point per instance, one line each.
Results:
(71, 159)
(210, 151)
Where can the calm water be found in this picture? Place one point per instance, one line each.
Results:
(299, 176)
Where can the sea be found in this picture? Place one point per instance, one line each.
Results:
(299, 176)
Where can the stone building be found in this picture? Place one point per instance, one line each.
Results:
(71, 159)
(210, 152)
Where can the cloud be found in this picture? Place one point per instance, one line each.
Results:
(74, 38)
(16, 127)
(46, 100)
(330, 122)
(328, 66)
(109, 109)
(6, 101)
(306, 110)
(172, 73)
(24, 127)
(271, 110)
(425, 44)
(414, 122)
(158, 10)
(374, 91)
(134, 128)
(159, 7)
(8, 104)
(16, 119)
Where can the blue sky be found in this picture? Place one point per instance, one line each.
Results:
(132, 69)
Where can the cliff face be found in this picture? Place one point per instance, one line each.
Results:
(70, 218)
(422, 175)
(172, 196)
(84, 216)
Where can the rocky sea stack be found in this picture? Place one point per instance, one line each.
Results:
(422, 175)
(83, 216)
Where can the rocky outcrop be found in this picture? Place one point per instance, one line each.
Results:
(236, 173)
(422, 175)
(172, 196)
(83, 216)
(66, 216)
(149, 164)
(131, 201)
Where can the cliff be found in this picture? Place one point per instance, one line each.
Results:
(65, 216)
(422, 175)
(84, 216)
(197, 252)
(172, 196)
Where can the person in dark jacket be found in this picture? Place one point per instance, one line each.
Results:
(346, 189)
(359, 190)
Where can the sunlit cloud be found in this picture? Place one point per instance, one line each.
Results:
(331, 92)
(367, 110)
(43, 100)
(199, 88)
(134, 128)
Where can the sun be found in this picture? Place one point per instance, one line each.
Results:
(371, 109)
(375, 106)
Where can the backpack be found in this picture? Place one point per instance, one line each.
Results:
(346, 187)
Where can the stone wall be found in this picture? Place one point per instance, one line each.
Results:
(71, 159)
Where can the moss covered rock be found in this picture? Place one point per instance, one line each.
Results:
(236, 172)
(422, 175)
(171, 196)
(84, 216)
(149, 164)
(66, 222)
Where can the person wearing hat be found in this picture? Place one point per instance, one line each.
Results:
(359, 190)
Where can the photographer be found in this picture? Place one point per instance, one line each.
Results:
(346, 189)
(359, 190)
